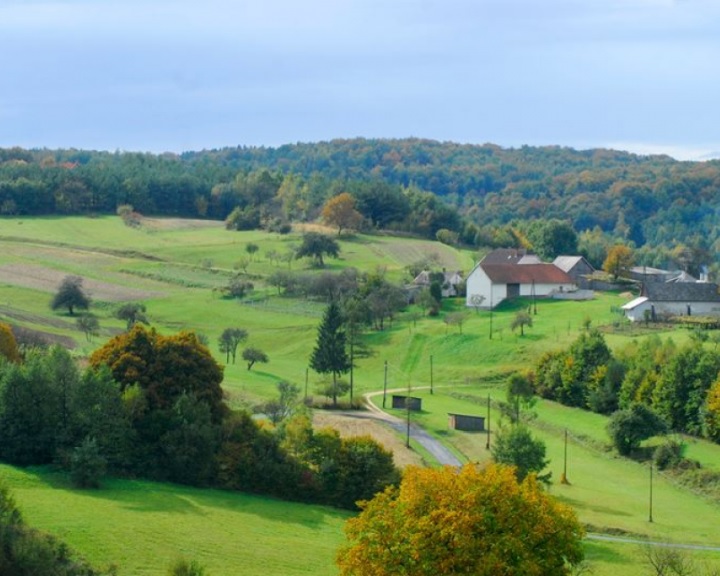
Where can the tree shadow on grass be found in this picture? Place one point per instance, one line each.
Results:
(152, 497)
(577, 504)
(600, 552)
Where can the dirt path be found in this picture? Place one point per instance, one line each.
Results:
(438, 450)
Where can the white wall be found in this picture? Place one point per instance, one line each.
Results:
(637, 314)
(479, 283)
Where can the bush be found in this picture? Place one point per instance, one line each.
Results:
(184, 567)
(669, 455)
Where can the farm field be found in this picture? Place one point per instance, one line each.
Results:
(175, 268)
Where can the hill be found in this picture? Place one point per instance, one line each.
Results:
(653, 201)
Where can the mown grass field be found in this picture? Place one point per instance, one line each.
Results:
(142, 527)
(176, 264)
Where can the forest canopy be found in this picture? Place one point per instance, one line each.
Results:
(412, 185)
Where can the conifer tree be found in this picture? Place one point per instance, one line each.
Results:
(330, 355)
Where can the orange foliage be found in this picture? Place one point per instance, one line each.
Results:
(8, 345)
(472, 520)
(165, 367)
(340, 212)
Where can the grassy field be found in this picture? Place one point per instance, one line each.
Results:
(142, 527)
(173, 266)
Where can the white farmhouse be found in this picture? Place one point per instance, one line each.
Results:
(488, 283)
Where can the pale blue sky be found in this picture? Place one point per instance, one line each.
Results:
(175, 75)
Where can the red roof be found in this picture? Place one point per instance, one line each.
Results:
(526, 274)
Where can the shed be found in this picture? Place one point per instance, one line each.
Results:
(466, 422)
(407, 403)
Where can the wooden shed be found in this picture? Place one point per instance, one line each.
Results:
(466, 422)
(407, 403)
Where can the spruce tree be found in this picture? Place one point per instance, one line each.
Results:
(330, 355)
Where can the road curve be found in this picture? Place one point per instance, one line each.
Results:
(438, 450)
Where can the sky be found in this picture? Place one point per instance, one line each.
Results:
(179, 75)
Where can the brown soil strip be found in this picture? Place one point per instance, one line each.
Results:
(48, 280)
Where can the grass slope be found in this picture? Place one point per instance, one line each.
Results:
(178, 263)
(142, 526)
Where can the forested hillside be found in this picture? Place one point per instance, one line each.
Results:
(488, 193)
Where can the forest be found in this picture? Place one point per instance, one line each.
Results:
(484, 194)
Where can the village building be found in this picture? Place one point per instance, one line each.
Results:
(577, 267)
(450, 285)
(660, 300)
(505, 274)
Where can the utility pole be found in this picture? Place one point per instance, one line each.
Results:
(487, 444)
(431, 374)
(650, 517)
(563, 478)
(385, 385)
(352, 362)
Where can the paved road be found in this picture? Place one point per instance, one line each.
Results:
(606, 538)
(438, 450)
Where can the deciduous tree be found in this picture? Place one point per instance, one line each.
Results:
(618, 261)
(230, 340)
(627, 428)
(133, 313)
(340, 212)
(8, 344)
(522, 319)
(165, 367)
(89, 325)
(254, 355)
(515, 446)
(315, 245)
(462, 521)
(70, 295)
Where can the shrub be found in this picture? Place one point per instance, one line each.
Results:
(669, 455)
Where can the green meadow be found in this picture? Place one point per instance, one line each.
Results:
(175, 268)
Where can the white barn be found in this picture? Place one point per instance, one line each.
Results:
(489, 284)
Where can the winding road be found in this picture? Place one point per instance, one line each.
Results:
(444, 456)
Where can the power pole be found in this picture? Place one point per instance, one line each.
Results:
(650, 517)
(563, 478)
(431, 374)
(487, 444)
(385, 385)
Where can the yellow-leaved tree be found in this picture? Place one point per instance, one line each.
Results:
(340, 212)
(470, 520)
(712, 412)
(8, 344)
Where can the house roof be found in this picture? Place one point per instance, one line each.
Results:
(567, 263)
(682, 277)
(423, 279)
(649, 270)
(681, 292)
(507, 256)
(526, 274)
(634, 303)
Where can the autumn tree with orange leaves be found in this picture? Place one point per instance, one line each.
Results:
(471, 520)
(340, 212)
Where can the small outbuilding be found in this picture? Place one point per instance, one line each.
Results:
(466, 422)
(407, 403)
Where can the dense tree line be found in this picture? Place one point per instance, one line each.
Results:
(482, 193)
(679, 385)
(151, 406)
